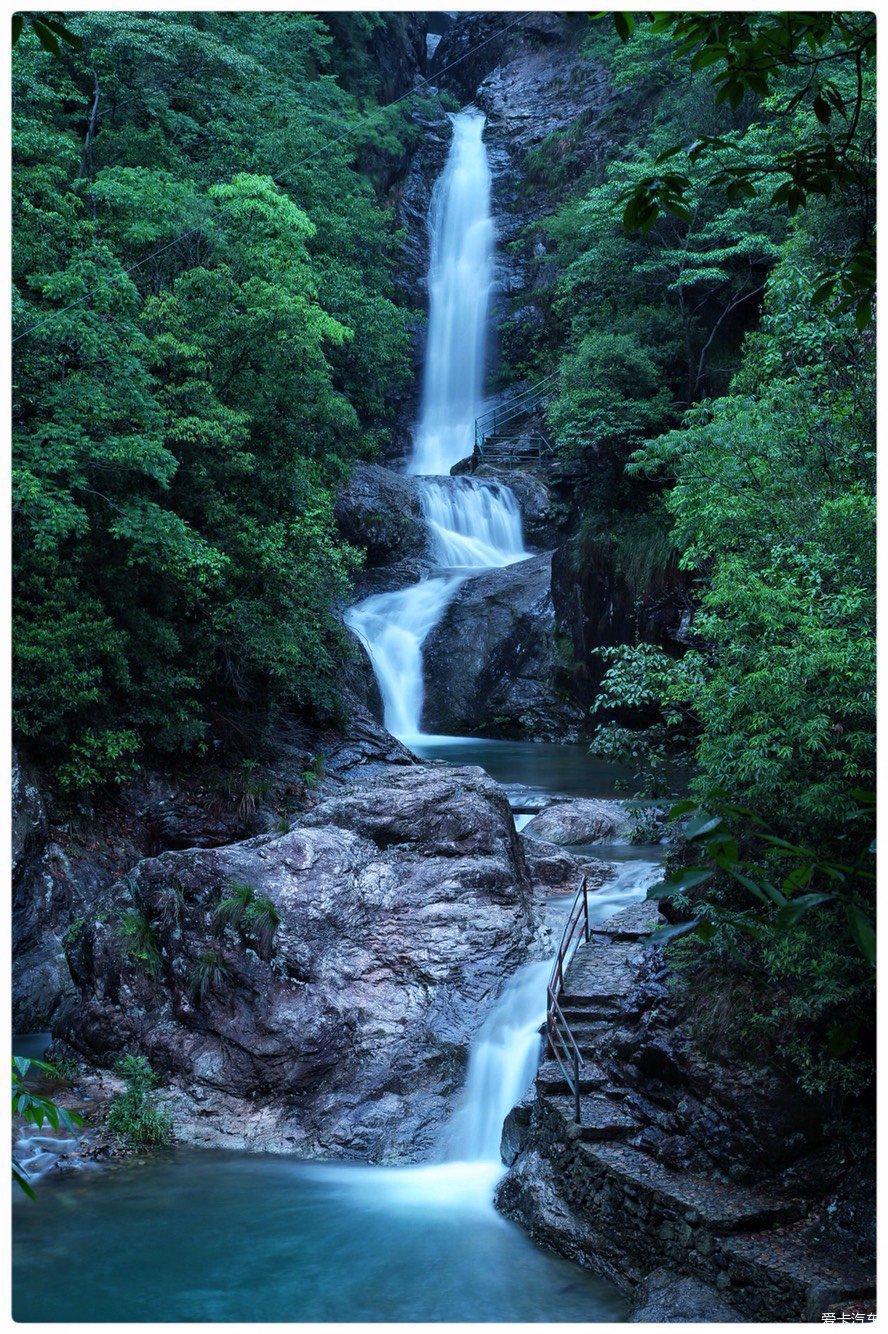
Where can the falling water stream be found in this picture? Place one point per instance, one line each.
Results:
(350, 1242)
(473, 525)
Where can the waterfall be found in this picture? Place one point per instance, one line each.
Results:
(460, 278)
(392, 628)
(502, 1064)
(473, 524)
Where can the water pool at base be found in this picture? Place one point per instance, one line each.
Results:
(203, 1235)
(543, 767)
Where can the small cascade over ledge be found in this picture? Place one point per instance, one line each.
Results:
(474, 525)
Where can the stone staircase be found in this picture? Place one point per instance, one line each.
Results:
(633, 1213)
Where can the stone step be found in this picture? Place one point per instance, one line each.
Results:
(832, 1278)
(601, 1119)
(588, 1012)
(551, 1080)
(698, 1201)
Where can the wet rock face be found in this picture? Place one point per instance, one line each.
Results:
(668, 1298)
(555, 871)
(490, 663)
(42, 895)
(583, 820)
(379, 510)
(401, 904)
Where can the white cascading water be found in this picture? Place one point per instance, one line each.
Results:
(460, 280)
(392, 627)
(502, 1064)
(473, 525)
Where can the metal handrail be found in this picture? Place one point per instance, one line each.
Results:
(517, 406)
(532, 447)
(541, 389)
(557, 1028)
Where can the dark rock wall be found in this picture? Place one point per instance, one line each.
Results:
(490, 664)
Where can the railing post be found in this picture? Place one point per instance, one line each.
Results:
(576, 1090)
(586, 906)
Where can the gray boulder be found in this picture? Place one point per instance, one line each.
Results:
(666, 1298)
(490, 663)
(583, 820)
(554, 871)
(392, 912)
(379, 510)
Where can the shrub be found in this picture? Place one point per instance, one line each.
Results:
(141, 944)
(243, 909)
(134, 1115)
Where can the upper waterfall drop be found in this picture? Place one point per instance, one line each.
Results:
(460, 279)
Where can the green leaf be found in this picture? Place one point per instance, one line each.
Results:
(45, 36)
(862, 932)
(680, 882)
(624, 23)
(683, 807)
(661, 935)
(703, 825)
(21, 1180)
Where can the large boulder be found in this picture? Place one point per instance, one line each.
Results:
(334, 1015)
(491, 662)
(666, 1298)
(555, 871)
(582, 820)
(379, 510)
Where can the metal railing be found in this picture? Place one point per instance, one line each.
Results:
(519, 405)
(510, 454)
(561, 1041)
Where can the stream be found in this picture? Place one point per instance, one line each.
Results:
(191, 1234)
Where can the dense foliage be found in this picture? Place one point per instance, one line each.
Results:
(205, 336)
(710, 321)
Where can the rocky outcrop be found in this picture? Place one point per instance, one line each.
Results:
(379, 510)
(554, 871)
(334, 1014)
(582, 820)
(42, 895)
(667, 1298)
(490, 663)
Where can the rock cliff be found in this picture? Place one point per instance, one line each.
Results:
(333, 1016)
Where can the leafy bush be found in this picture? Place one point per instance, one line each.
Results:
(140, 941)
(243, 909)
(134, 1115)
